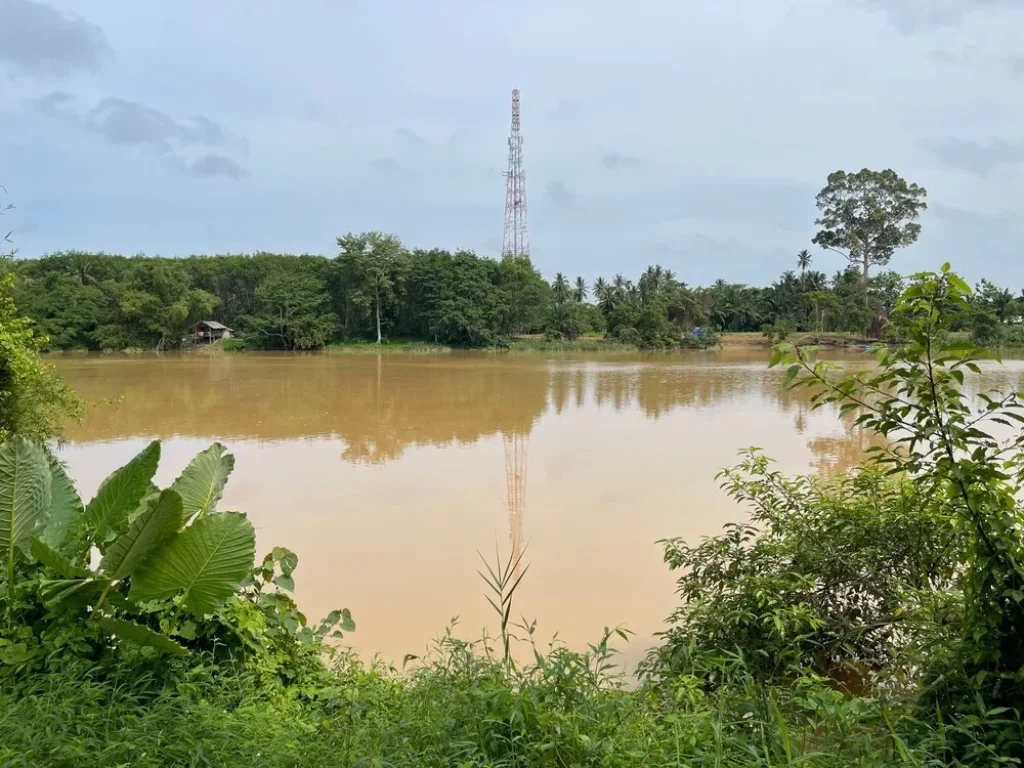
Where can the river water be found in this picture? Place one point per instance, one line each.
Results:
(387, 474)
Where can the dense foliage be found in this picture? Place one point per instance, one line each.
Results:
(34, 401)
(97, 301)
(376, 289)
(141, 570)
(905, 581)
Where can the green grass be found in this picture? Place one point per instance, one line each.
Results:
(460, 707)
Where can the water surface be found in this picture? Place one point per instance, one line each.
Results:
(387, 474)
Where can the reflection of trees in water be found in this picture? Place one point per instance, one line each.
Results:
(381, 405)
(658, 390)
(435, 404)
(377, 405)
(836, 453)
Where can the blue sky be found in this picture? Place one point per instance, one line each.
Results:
(690, 134)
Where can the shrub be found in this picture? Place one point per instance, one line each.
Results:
(34, 401)
(828, 577)
(174, 574)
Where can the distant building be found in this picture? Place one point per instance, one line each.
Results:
(209, 331)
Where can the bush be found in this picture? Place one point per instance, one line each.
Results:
(985, 327)
(998, 335)
(236, 344)
(174, 575)
(831, 578)
(34, 401)
(778, 331)
(629, 336)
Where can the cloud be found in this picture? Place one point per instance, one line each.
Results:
(559, 194)
(39, 41)
(951, 214)
(58, 104)
(410, 137)
(386, 165)
(916, 16)
(212, 164)
(973, 57)
(130, 124)
(614, 161)
(977, 158)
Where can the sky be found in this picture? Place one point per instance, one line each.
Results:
(690, 134)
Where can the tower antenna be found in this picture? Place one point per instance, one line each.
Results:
(516, 243)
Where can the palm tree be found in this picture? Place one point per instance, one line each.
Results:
(605, 295)
(560, 289)
(80, 265)
(803, 260)
(815, 281)
(620, 286)
(581, 292)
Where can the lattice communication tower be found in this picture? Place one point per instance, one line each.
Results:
(516, 243)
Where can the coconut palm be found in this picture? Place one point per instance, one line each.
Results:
(621, 287)
(560, 289)
(803, 260)
(605, 295)
(580, 293)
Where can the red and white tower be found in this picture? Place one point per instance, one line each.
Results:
(516, 243)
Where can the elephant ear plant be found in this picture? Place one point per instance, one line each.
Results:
(139, 564)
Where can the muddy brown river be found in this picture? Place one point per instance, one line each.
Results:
(386, 474)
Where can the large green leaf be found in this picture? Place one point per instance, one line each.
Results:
(202, 482)
(121, 492)
(140, 635)
(206, 563)
(57, 562)
(71, 592)
(24, 496)
(66, 509)
(160, 520)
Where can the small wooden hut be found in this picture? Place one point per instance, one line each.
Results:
(209, 331)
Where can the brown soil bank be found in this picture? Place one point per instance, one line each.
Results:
(753, 339)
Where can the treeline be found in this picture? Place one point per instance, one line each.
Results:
(375, 288)
(99, 301)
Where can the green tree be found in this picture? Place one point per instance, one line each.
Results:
(453, 298)
(376, 263)
(605, 295)
(803, 260)
(560, 289)
(580, 291)
(525, 296)
(999, 301)
(885, 289)
(866, 216)
(293, 312)
(34, 401)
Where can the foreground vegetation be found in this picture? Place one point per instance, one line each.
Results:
(869, 620)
